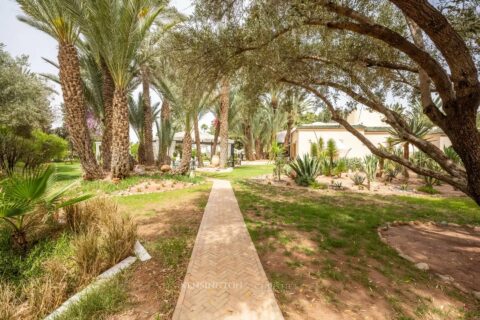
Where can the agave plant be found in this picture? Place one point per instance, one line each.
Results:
(306, 169)
(31, 192)
(370, 166)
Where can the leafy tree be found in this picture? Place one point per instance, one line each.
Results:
(24, 96)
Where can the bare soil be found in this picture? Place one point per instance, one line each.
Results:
(379, 186)
(448, 250)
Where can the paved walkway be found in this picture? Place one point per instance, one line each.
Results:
(225, 279)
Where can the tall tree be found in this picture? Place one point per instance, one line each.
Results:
(123, 26)
(51, 17)
(223, 132)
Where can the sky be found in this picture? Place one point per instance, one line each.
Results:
(20, 38)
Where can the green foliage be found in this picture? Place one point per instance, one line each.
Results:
(358, 179)
(422, 160)
(134, 150)
(318, 186)
(307, 169)
(31, 192)
(452, 155)
(108, 298)
(24, 96)
(370, 164)
(331, 151)
(428, 189)
(340, 166)
(280, 163)
(33, 149)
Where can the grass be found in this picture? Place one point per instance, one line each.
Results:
(340, 229)
(106, 299)
(68, 173)
(240, 173)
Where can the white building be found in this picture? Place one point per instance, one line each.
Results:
(368, 123)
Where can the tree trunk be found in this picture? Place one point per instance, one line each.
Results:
(406, 156)
(465, 139)
(147, 117)
(225, 95)
(165, 125)
(215, 138)
(249, 142)
(141, 151)
(286, 142)
(258, 149)
(75, 110)
(186, 154)
(108, 88)
(121, 139)
(198, 142)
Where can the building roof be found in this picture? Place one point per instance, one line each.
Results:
(334, 125)
(204, 137)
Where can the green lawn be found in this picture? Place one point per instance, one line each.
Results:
(68, 173)
(325, 245)
(240, 173)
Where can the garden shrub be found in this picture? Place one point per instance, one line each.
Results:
(307, 169)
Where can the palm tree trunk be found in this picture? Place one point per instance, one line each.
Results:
(249, 142)
(198, 142)
(147, 117)
(186, 153)
(406, 155)
(286, 142)
(215, 138)
(121, 140)
(258, 149)
(165, 123)
(75, 110)
(225, 93)
(107, 93)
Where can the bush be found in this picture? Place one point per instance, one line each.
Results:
(105, 236)
(26, 199)
(428, 189)
(307, 169)
(358, 179)
(370, 163)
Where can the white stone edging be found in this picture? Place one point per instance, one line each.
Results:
(140, 253)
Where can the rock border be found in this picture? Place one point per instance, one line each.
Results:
(140, 253)
(422, 265)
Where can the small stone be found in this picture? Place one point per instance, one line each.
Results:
(446, 277)
(165, 168)
(140, 169)
(476, 294)
(422, 266)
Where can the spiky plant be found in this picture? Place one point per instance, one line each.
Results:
(307, 169)
(32, 191)
(51, 17)
(370, 164)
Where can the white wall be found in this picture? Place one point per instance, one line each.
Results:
(347, 143)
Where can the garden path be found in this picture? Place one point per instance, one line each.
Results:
(225, 279)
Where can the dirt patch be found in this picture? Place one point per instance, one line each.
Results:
(397, 186)
(152, 186)
(448, 250)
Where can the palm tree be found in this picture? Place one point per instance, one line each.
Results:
(223, 132)
(418, 124)
(116, 29)
(137, 121)
(51, 17)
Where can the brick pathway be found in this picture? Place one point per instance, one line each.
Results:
(225, 279)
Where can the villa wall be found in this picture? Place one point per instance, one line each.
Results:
(347, 144)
